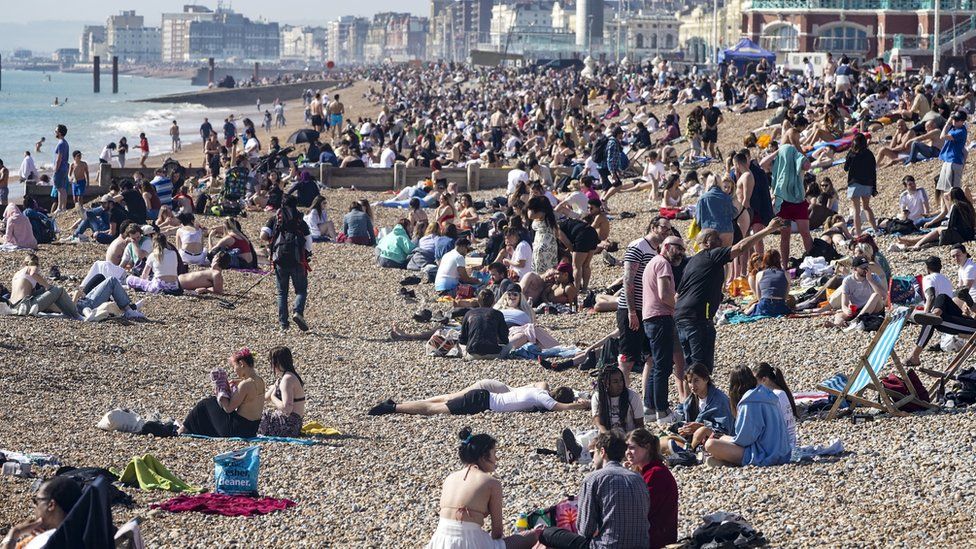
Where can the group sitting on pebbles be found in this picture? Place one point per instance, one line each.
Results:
(504, 265)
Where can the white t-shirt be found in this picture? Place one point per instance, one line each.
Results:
(630, 422)
(522, 251)
(387, 158)
(591, 168)
(448, 269)
(784, 406)
(521, 399)
(168, 265)
(967, 273)
(252, 147)
(938, 282)
(514, 177)
(40, 540)
(654, 171)
(313, 219)
(579, 202)
(913, 203)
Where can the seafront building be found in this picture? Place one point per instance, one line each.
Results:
(127, 38)
(176, 31)
(862, 29)
(304, 43)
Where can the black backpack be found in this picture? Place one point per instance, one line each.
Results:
(600, 150)
(43, 228)
(288, 244)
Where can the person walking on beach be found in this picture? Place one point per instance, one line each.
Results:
(174, 134)
(79, 177)
(230, 130)
(336, 110)
(61, 154)
(279, 112)
(291, 249)
(144, 147)
(205, 130)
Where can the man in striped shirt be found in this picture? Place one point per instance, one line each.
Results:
(164, 188)
(633, 341)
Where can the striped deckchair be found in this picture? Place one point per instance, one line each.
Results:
(942, 377)
(866, 375)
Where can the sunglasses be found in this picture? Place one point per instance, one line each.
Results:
(36, 499)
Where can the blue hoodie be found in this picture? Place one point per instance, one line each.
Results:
(715, 210)
(761, 430)
(717, 413)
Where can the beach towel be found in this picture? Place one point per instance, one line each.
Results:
(40, 460)
(284, 440)
(314, 428)
(221, 504)
(738, 317)
(787, 183)
(149, 474)
(531, 351)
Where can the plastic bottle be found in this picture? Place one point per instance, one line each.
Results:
(522, 523)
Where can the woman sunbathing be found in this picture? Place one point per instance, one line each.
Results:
(471, 495)
(286, 396)
(488, 395)
(236, 411)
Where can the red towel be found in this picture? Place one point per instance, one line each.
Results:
(221, 504)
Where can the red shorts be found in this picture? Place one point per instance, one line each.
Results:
(794, 211)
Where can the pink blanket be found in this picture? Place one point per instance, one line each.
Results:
(220, 504)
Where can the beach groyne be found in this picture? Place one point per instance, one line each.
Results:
(224, 97)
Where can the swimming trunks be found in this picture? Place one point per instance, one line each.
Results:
(78, 188)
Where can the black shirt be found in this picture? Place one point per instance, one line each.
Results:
(861, 169)
(711, 116)
(205, 130)
(483, 331)
(117, 216)
(700, 291)
(136, 205)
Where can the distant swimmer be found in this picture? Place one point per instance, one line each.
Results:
(56, 104)
(37, 146)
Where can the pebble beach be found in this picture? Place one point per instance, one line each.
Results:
(904, 482)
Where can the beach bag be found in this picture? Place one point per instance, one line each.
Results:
(236, 472)
(563, 514)
(904, 290)
(444, 343)
(900, 226)
(895, 384)
(464, 291)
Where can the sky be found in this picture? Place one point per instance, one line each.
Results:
(45, 25)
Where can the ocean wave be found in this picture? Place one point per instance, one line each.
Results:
(152, 119)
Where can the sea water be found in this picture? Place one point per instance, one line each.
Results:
(27, 113)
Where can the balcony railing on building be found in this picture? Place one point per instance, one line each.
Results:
(873, 5)
(855, 46)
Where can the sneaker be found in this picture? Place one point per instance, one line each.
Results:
(299, 321)
(54, 273)
(34, 310)
(561, 452)
(925, 319)
(383, 408)
(855, 326)
(666, 420)
(140, 303)
(423, 315)
(86, 314)
(590, 361)
(133, 314)
(573, 449)
(410, 281)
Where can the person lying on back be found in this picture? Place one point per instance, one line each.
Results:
(208, 280)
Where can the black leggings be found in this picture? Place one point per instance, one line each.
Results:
(953, 321)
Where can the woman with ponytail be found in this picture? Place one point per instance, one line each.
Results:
(774, 380)
(163, 263)
(471, 495)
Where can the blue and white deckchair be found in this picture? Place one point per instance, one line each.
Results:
(869, 367)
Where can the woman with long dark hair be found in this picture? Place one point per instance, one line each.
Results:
(286, 396)
(706, 410)
(862, 180)
(774, 380)
(760, 437)
(545, 246)
(644, 457)
(471, 495)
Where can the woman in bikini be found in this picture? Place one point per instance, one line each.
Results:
(234, 242)
(31, 293)
(189, 241)
(471, 495)
(469, 215)
(286, 396)
(445, 213)
(236, 410)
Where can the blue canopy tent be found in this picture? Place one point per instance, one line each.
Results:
(746, 52)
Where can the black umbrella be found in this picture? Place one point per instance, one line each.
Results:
(304, 136)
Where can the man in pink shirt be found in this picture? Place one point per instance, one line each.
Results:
(658, 315)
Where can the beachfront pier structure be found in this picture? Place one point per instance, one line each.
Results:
(904, 32)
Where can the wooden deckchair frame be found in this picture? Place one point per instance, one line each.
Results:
(886, 403)
(965, 353)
